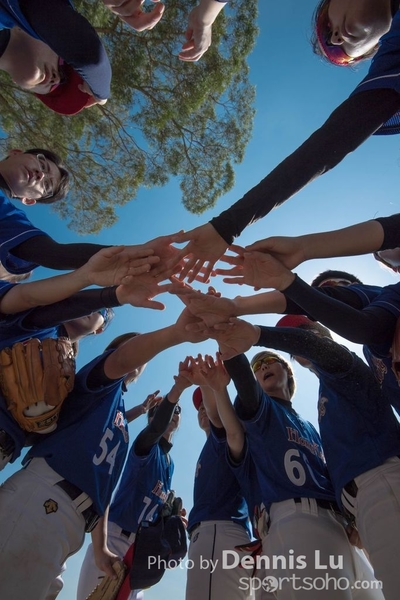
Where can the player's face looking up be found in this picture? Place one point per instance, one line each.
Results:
(31, 63)
(273, 377)
(350, 29)
(30, 177)
(176, 420)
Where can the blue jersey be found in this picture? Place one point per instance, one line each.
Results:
(144, 488)
(385, 72)
(246, 473)
(287, 453)
(217, 495)
(359, 430)
(378, 355)
(90, 443)
(15, 228)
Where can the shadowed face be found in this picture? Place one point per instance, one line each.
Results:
(357, 25)
(30, 176)
(32, 64)
(272, 376)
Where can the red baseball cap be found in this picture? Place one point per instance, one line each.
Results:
(197, 398)
(293, 321)
(66, 98)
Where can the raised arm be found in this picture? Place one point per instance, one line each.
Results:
(107, 267)
(140, 349)
(218, 380)
(372, 324)
(363, 238)
(199, 31)
(327, 147)
(212, 309)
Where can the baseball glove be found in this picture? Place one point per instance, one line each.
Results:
(35, 378)
(108, 588)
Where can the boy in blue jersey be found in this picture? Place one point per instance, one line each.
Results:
(73, 318)
(360, 436)
(37, 50)
(301, 513)
(144, 487)
(69, 477)
(218, 520)
(362, 314)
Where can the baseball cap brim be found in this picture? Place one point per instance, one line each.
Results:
(197, 398)
(293, 321)
(67, 98)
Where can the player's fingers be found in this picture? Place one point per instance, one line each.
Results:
(231, 260)
(189, 264)
(199, 272)
(112, 251)
(239, 280)
(236, 248)
(152, 304)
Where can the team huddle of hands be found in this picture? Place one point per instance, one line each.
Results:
(145, 271)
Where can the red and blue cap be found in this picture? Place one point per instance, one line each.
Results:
(66, 98)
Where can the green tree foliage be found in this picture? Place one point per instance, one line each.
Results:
(165, 117)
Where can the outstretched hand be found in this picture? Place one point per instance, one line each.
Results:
(116, 265)
(151, 401)
(198, 38)
(210, 308)
(142, 289)
(234, 337)
(260, 271)
(132, 13)
(205, 247)
(199, 30)
(205, 371)
(288, 250)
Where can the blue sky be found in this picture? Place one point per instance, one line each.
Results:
(296, 92)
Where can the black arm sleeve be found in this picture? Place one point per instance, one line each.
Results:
(371, 325)
(152, 434)
(339, 292)
(348, 127)
(322, 351)
(248, 401)
(72, 37)
(391, 231)
(44, 251)
(80, 304)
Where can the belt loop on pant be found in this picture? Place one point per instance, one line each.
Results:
(310, 504)
(192, 530)
(82, 502)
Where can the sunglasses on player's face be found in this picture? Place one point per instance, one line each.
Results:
(266, 360)
(335, 281)
(333, 52)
